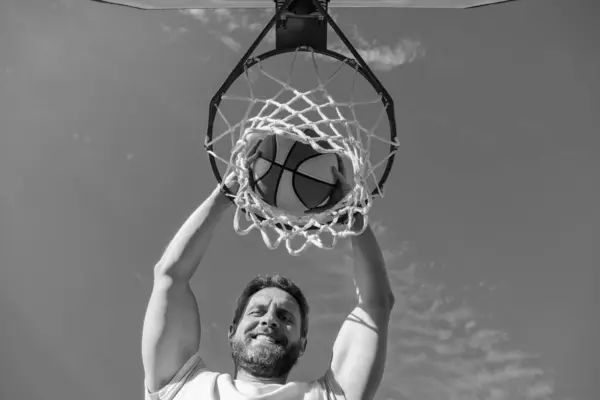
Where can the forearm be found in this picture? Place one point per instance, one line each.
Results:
(185, 251)
(370, 276)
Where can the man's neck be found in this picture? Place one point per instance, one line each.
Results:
(242, 375)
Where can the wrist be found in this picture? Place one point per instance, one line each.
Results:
(221, 197)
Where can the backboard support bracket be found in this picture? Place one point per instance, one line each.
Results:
(302, 23)
(301, 36)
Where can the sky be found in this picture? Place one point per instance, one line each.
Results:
(489, 224)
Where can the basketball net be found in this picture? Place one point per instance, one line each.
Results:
(275, 225)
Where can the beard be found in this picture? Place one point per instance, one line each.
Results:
(264, 360)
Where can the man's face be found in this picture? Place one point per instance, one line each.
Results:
(267, 342)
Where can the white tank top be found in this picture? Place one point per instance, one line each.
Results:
(195, 382)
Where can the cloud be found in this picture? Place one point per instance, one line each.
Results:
(380, 57)
(229, 20)
(386, 58)
(174, 33)
(199, 14)
(437, 350)
(231, 43)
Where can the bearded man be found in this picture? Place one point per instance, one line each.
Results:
(269, 330)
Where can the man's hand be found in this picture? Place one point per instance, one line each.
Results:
(231, 181)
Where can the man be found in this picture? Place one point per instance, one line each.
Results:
(269, 330)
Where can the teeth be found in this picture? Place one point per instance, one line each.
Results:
(264, 338)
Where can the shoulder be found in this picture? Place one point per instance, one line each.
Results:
(192, 376)
(324, 388)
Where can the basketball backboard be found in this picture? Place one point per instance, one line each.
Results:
(211, 4)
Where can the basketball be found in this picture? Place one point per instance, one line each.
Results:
(291, 175)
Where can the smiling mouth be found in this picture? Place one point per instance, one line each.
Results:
(264, 339)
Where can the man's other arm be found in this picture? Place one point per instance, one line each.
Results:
(359, 351)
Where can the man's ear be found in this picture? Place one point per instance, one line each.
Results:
(304, 342)
(232, 329)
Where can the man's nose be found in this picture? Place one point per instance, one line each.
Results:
(270, 321)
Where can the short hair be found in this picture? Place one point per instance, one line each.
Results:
(278, 281)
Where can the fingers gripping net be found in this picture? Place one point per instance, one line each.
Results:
(289, 112)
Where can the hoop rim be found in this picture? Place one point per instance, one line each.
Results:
(366, 73)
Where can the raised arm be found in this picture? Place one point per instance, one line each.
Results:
(359, 350)
(171, 332)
